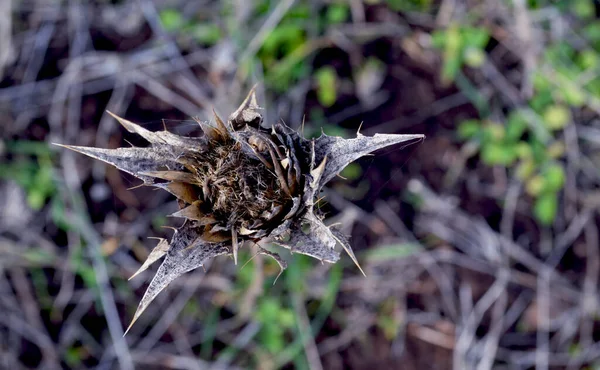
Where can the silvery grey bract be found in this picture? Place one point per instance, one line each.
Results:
(239, 182)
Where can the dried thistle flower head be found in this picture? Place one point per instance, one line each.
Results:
(239, 182)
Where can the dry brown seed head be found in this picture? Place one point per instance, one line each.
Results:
(240, 182)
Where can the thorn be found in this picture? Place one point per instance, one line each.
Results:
(129, 327)
(235, 245)
(164, 124)
(349, 251)
(169, 227)
(341, 177)
(128, 142)
(235, 253)
(220, 124)
(251, 258)
(302, 129)
(278, 275)
(137, 186)
(359, 127)
(320, 199)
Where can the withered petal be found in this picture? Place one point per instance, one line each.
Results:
(184, 191)
(193, 212)
(210, 132)
(247, 113)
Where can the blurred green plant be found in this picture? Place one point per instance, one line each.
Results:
(32, 169)
(530, 142)
(281, 333)
(202, 31)
(423, 6)
(460, 45)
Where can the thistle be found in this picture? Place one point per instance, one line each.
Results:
(239, 182)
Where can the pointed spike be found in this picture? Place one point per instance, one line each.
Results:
(359, 127)
(158, 252)
(234, 244)
(137, 186)
(221, 125)
(250, 259)
(135, 161)
(186, 253)
(282, 264)
(317, 173)
(178, 176)
(340, 239)
(212, 133)
(342, 152)
(169, 227)
(247, 113)
(137, 129)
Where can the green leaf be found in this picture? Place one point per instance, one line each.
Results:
(592, 31)
(36, 199)
(286, 318)
(493, 132)
(535, 185)
(555, 177)
(557, 117)
(524, 150)
(584, 8)
(498, 154)
(206, 33)
(588, 59)
(525, 169)
(37, 148)
(438, 39)
(468, 129)
(540, 154)
(337, 13)
(545, 208)
(556, 149)
(474, 57)
(475, 37)
(390, 252)
(541, 82)
(268, 309)
(516, 126)
(541, 99)
(352, 171)
(389, 325)
(326, 82)
(171, 20)
(452, 54)
(573, 95)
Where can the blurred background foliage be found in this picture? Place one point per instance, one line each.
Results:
(480, 245)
